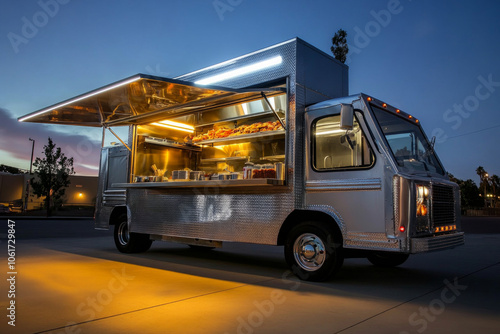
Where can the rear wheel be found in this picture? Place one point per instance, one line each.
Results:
(127, 242)
(312, 253)
(387, 259)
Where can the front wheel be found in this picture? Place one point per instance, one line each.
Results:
(127, 242)
(387, 259)
(312, 253)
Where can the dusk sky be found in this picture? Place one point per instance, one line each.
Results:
(437, 60)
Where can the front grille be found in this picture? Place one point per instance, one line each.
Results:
(443, 205)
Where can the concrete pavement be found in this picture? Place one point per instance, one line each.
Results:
(81, 284)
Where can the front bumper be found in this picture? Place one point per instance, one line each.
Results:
(441, 242)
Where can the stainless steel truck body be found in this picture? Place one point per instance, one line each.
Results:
(267, 148)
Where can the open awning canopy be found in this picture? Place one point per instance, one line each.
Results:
(142, 99)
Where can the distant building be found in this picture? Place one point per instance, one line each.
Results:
(82, 191)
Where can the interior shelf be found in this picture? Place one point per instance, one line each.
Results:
(242, 117)
(244, 138)
(228, 159)
(169, 143)
(280, 157)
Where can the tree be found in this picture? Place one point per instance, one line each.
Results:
(469, 192)
(52, 175)
(484, 183)
(339, 47)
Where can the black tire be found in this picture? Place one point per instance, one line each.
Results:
(130, 242)
(387, 259)
(312, 252)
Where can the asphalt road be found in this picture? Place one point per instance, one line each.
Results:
(70, 279)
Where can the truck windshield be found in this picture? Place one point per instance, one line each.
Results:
(410, 147)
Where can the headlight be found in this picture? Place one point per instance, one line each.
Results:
(422, 201)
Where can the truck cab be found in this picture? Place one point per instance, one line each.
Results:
(385, 166)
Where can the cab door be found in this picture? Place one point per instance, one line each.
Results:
(343, 172)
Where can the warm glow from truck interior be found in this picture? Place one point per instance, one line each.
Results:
(177, 126)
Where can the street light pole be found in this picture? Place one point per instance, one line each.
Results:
(31, 172)
(32, 150)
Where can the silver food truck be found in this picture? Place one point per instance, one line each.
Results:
(267, 148)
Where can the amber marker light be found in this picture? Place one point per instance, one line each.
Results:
(416, 120)
(410, 116)
(398, 111)
(369, 99)
(384, 105)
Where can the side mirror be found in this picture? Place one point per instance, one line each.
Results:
(346, 116)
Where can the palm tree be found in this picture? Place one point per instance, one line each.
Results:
(483, 178)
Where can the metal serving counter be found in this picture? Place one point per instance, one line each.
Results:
(203, 184)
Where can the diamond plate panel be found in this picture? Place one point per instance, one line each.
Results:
(370, 241)
(222, 216)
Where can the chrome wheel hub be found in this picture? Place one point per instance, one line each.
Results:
(309, 252)
(123, 234)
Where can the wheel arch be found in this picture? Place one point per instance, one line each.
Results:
(116, 213)
(331, 222)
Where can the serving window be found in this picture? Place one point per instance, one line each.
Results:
(216, 144)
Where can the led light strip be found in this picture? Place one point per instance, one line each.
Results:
(80, 98)
(177, 124)
(172, 127)
(241, 71)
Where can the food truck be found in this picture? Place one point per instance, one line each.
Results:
(267, 148)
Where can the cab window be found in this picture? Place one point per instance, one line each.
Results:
(334, 148)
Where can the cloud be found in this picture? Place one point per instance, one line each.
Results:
(15, 144)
